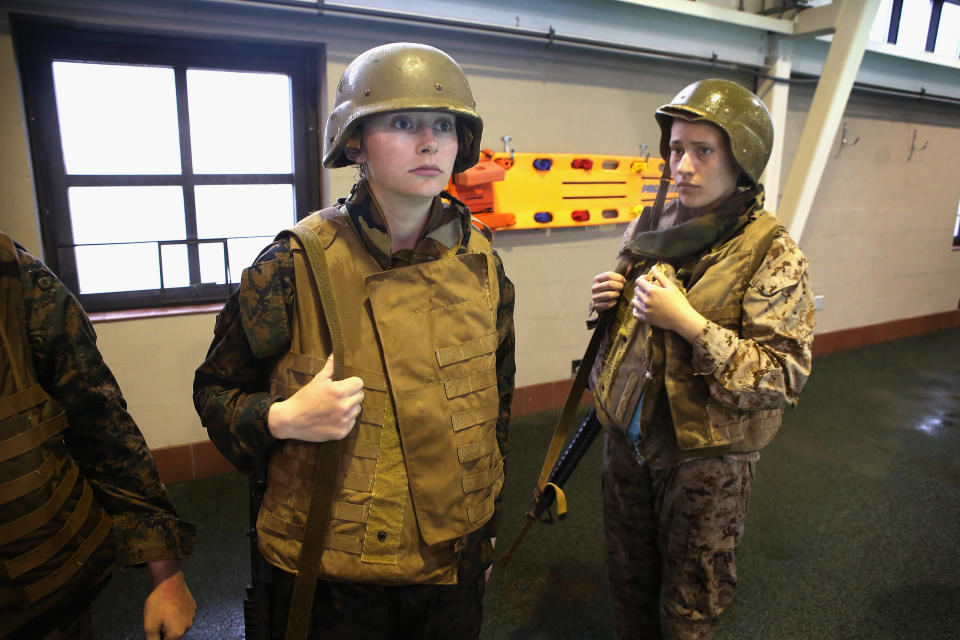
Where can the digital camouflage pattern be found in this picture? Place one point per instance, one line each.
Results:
(672, 537)
(102, 437)
(253, 331)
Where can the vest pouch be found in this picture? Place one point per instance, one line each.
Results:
(619, 378)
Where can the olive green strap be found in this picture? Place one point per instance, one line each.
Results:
(328, 454)
(569, 413)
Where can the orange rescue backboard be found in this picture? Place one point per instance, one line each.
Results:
(543, 190)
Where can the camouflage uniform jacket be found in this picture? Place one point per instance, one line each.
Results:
(764, 365)
(253, 331)
(102, 437)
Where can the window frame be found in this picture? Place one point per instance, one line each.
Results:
(933, 27)
(39, 42)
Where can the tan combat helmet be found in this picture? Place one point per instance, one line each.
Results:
(402, 76)
(739, 114)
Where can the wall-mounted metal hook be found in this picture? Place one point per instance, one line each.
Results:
(844, 142)
(914, 147)
(643, 151)
(506, 146)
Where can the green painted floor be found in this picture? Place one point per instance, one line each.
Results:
(852, 531)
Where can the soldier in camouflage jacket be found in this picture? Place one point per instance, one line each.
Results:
(106, 446)
(713, 333)
(405, 114)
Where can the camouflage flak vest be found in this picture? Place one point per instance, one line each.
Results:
(421, 468)
(50, 521)
(635, 359)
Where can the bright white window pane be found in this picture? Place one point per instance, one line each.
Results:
(117, 119)
(881, 24)
(914, 24)
(126, 214)
(118, 267)
(239, 122)
(212, 267)
(243, 251)
(176, 266)
(243, 210)
(948, 36)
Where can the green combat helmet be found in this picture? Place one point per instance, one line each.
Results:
(402, 76)
(739, 114)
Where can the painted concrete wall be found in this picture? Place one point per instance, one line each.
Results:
(878, 238)
(880, 231)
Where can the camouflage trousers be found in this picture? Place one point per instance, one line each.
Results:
(672, 537)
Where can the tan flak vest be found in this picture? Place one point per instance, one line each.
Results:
(635, 359)
(421, 468)
(50, 521)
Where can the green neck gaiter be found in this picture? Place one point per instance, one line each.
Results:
(694, 237)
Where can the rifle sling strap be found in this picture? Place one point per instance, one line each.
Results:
(569, 413)
(328, 456)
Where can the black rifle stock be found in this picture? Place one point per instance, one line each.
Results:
(256, 604)
(561, 472)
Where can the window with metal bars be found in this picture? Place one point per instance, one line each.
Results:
(920, 25)
(163, 165)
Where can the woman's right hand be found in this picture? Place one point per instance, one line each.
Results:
(606, 290)
(321, 410)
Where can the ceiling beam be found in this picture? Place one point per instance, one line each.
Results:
(853, 22)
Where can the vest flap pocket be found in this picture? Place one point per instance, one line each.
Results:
(366, 448)
(349, 512)
(358, 481)
(472, 417)
(476, 381)
(482, 480)
(466, 350)
(474, 450)
(267, 520)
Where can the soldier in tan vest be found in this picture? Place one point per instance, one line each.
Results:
(79, 490)
(711, 340)
(426, 316)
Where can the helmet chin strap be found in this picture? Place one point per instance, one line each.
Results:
(352, 148)
(665, 178)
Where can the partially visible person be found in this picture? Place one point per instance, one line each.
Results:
(79, 490)
(426, 313)
(711, 341)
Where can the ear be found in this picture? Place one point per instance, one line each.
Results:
(352, 148)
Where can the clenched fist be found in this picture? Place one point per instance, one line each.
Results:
(606, 290)
(321, 410)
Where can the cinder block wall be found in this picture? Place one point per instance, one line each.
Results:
(878, 237)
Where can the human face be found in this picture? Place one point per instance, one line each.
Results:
(702, 165)
(408, 156)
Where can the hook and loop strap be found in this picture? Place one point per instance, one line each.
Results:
(328, 455)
